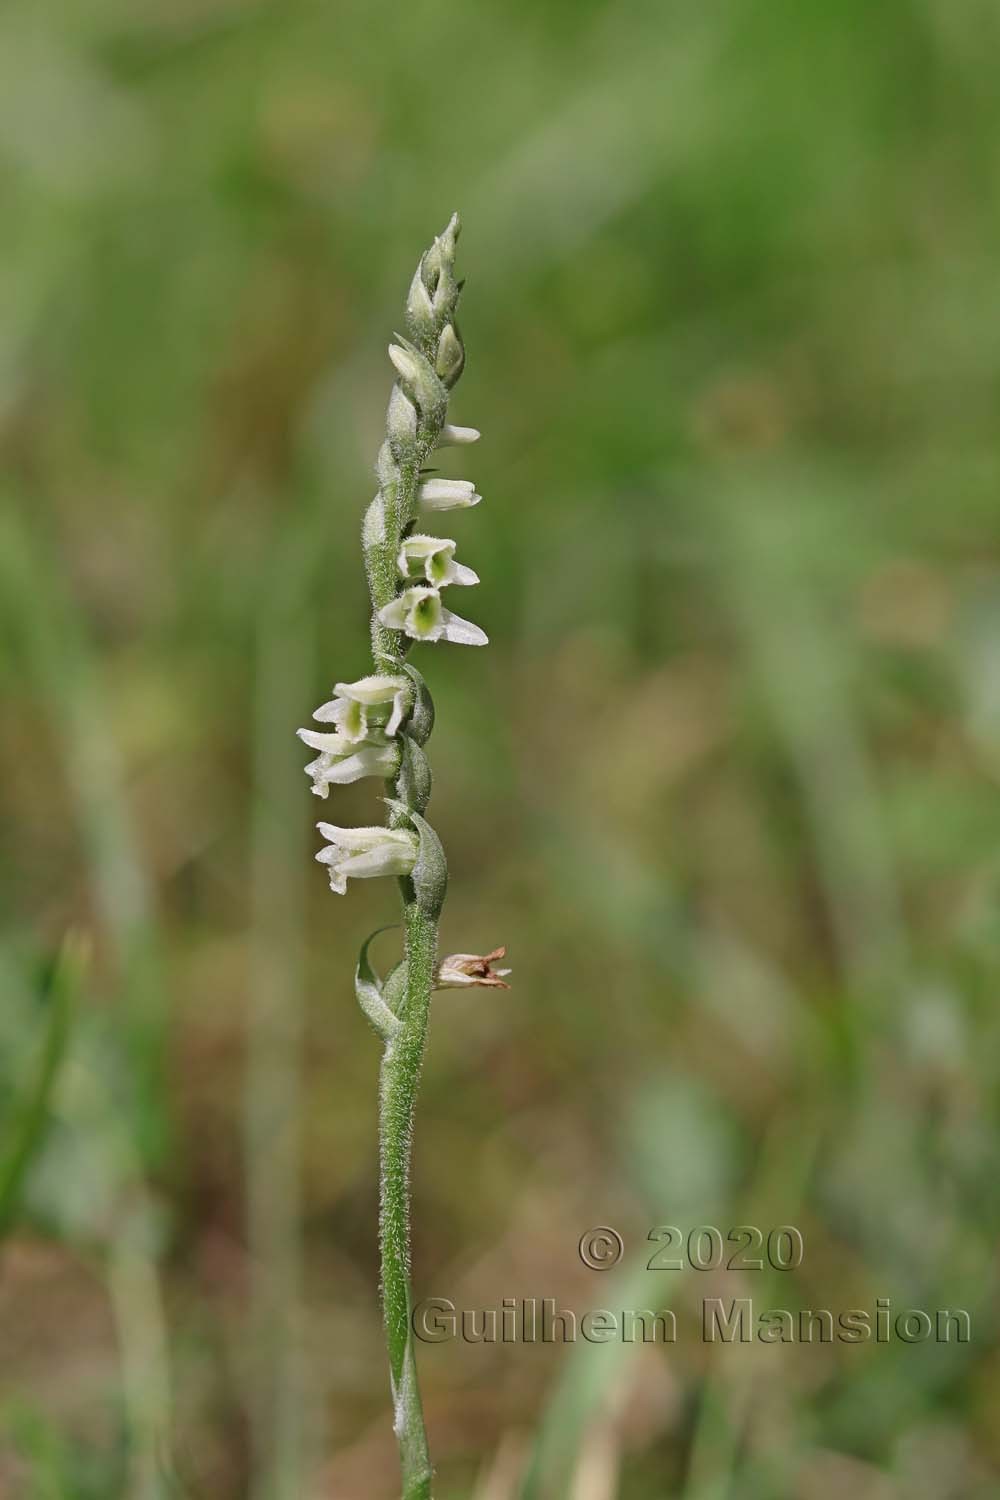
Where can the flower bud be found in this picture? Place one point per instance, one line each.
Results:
(373, 529)
(401, 421)
(450, 355)
(448, 494)
(419, 308)
(407, 365)
(455, 437)
(387, 469)
(437, 266)
(418, 379)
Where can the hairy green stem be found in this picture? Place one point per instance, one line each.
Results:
(399, 1080)
(383, 721)
(426, 367)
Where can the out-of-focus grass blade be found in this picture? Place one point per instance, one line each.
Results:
(135, 53)
(24, 1125)
(40, 1447)
(589, 1377)
(53, 638)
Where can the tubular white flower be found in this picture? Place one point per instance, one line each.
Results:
(448, 494)
(339, 764)
(421, 615)
(433, 558)
(457, 437)
(363, 853)
(357, 707)
(372, 695)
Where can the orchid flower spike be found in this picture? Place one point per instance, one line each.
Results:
(366, 852)
(419, 613)
(380, 726)
(461, 971)
(433, 558)
(448, 494)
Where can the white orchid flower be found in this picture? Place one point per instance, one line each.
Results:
(448, 494)
(340, 763)
(360, 705)
(433, 558)
(421, 615)
(366, 852)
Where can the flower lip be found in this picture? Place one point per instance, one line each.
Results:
(349, 718)
(374, 692)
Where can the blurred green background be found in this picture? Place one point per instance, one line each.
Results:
(726, 780)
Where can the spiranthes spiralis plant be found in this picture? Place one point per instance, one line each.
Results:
(379, 726)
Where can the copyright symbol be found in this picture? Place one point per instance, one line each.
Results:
(601, 1248)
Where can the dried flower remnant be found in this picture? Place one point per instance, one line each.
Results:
(460, 971)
